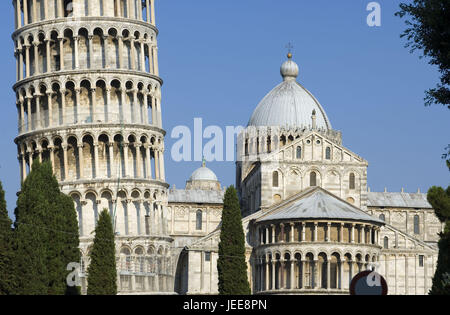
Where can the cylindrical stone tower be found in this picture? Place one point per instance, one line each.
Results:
(89, 100)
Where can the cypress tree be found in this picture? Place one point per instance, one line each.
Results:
(45, 234)
(231, 265)
(102, 273)
(440, 200)
(6, 249)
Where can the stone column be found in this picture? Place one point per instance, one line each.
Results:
(25, 12)
(125, 157)
(157, 174)
(16, 55)
(47, 52)
(30, 159)
(148, 161)
(111, 159)
(105, 44)
(293, 261)
(61, 53)
(51, 150)
(29, 122)
(316, 274)
(109, 115)
(81, 159)
(315, 231)
(303, 232)
(24, 167)
(46, 10)
(27, 59)
(22, 116)
(63, 105)
(145, 98)
(152, 4)
(281, 236)
(162, 169)
(273, 234)
(353, 234)
(66, 164)
(147, 6)
(134, 114)
(61, 8)
(328, 232)
(38, 110)
(363, 234)
(120, 40)
(341, 274)
(137, 147)
(36, 58)
(50, 108)
(97, 175)
(75, 44)
(18, 14)
(341, 233)
(34, 12)
(94, 104)
(142, 56)
(292, 232)
(19, 157)
(133, 53)
(154, 119)
(155, 56)
(20, 50)
(91, 51)
(273, 286)
(78, 105)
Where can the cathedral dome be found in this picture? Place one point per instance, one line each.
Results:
(203, 179)
(289, 104)
(203, 173)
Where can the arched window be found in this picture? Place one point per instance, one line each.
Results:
(275, 182)
(352, 181)
(313, 179)
(246, 146)
(386, 242)
(328, 153)
(199, 220)
(416, 224)
(382, 217)
(299, 153)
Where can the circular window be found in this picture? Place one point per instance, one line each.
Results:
(308, 141)
(318, 141)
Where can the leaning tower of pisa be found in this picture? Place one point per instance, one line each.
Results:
(88, 97)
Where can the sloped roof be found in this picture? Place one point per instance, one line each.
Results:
(196, 196)
(318, 204)
(397, 200)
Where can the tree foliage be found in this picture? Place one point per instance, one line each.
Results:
(6, 248)
(46, 235)
(440, 200)
(428, 30)
(231, 265)
(102, 273)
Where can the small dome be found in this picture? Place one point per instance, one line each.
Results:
(203, 173)
(289, 104)
(289, 69)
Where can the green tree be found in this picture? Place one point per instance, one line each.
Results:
(428, 31)
(440, 200)
(231, 264)
(6, 248)
(46, 234)
(102, 273)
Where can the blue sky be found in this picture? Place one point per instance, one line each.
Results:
(218, 59)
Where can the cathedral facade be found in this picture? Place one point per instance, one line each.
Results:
(89, 100)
